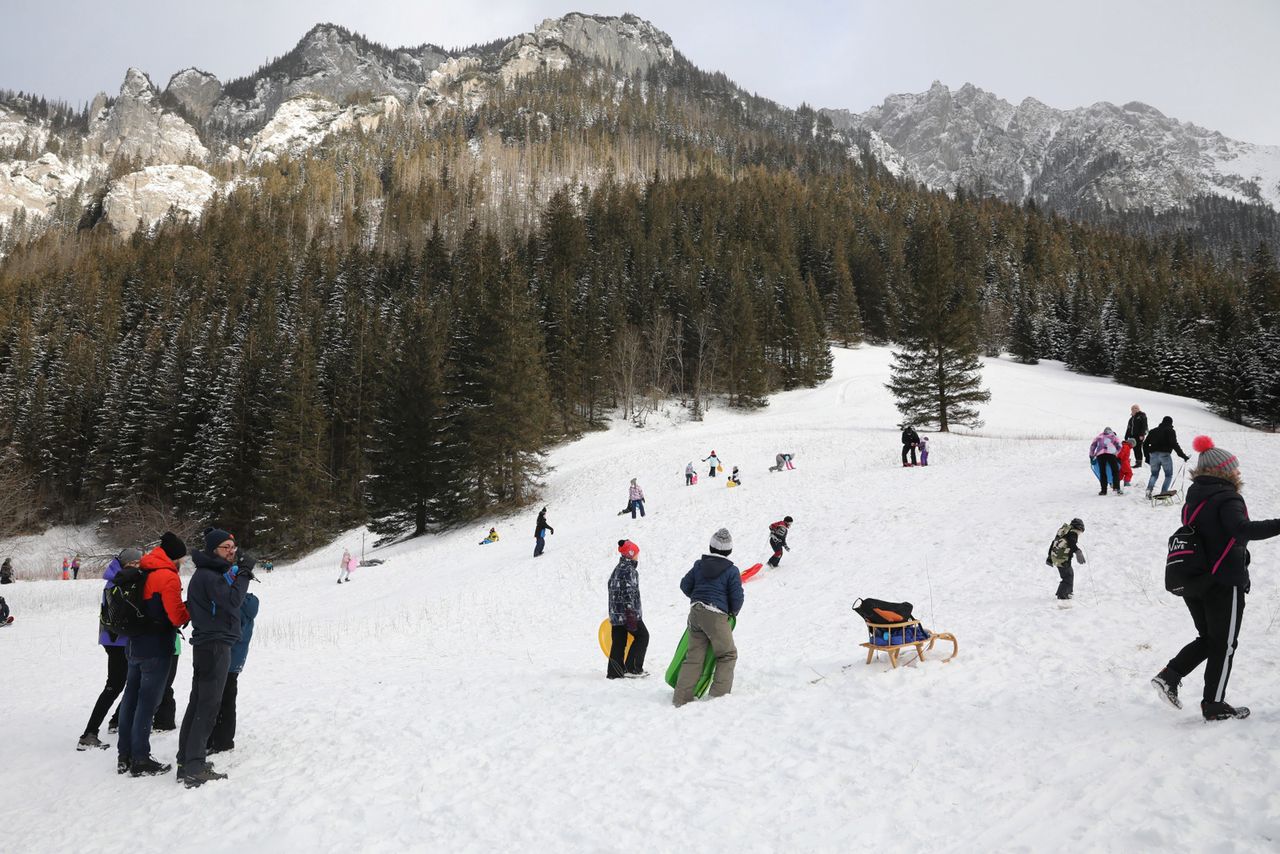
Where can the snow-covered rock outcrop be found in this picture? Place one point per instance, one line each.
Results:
(305, 121)
(149, 194)
(1102, 155)
(136, 126)
(36, 185)
(628, 43)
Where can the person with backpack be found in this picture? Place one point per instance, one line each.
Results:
(714, 588)
(714, 461)
(689, 475)
(626, 616)
(215, 595)
(1216, 511)
(635, 500)
(1136, 430)
(117, 649)
(540, 529)
(778, 540)
(1064, 548)
(150, 654)
(1105, 452)
(223, 736)
(1159, 446)
(910, 440)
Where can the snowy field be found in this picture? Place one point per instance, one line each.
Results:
(454, 699)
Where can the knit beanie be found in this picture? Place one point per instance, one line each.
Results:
(214, 537)
(721, 542)
(173, 546)
(1214, 460)
(628, 549)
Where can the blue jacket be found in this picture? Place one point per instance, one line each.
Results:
(715, 581)
(105, 637)
(240, 651)
(214, 596)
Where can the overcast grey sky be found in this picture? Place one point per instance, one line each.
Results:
(1215, 63)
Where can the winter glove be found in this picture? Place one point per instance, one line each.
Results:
(1186, 459)
(633, 622)
(787, 547)
(1080, 556)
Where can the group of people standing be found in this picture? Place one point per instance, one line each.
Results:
(220, 611)
(1115, 459)
(911, 442)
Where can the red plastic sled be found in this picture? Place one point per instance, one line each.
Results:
(751, 572)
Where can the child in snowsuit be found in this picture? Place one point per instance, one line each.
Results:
(491, 538)
(635, 500)
(1126, 469)
(782, 461)
(715, 463)
(688, 474)
(540, 529)
(778, 540)
(924, 450)
(1104, 451)
(714, 588)
(347, 566)
(625, 615)
(1061, 551)
(735, 478)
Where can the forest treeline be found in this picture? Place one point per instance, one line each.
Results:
(378, 331)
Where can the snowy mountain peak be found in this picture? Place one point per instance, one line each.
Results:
(629, 43)
(137, 85)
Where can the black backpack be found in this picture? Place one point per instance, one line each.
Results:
(124, 610)
(1186, 568)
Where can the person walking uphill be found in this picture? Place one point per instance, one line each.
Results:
(214, 597)
(117, 649)
(1065, 547)
(150, 655)
(689, 474)
(1160, 445)
(714, 461)
(714, 587)
(778, 540)
(910, 439)
(635, 500)
(626, 616)
(1136, 430)
(1105, 451)
(540, 529)
(1217, 511)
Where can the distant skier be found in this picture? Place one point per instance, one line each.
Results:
(690, 477)
(714, 588)
(1160, 445)
(492, 537)
(1104, 451)
(782, 461)
(715, 463)
(1062, 550)
(626, 616)
(910, 439)
(635, 500)
(540, 529)
(924, 450)
(1126, 470)
(1136, 430)
(778, 540)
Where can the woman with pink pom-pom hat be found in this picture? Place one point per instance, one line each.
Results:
(1216, 508)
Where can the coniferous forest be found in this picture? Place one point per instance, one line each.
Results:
(392, 328)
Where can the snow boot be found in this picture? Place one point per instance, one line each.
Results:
(201, 777)
(637, 674)
(1222, 711)
(148, 767)
(122, 764)
(1104, 491)
(1166, 682)
(90, 739)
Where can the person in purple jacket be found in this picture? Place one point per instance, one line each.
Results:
(116, 648)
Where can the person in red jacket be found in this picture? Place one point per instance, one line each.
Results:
(150, 655)
(778, 539)
(1126, 454)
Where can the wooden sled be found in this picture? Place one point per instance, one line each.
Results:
(1165, 499)
(920, 644)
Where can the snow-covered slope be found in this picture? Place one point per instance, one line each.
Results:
(1126, 157)
(454, 697)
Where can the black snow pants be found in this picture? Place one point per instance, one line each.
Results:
(1217, 617)
(634, 662)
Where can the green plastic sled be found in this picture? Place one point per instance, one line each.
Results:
(708, 664)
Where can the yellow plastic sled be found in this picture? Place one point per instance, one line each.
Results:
(606, 639)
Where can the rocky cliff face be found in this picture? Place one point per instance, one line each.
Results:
(136, 126)
(195, 91)
(1084, 159)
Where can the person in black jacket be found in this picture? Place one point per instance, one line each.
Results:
(910, 439)
(1136, 430)
(540, 529)
(1160, 444)
(1222, 521)
(214, 596)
